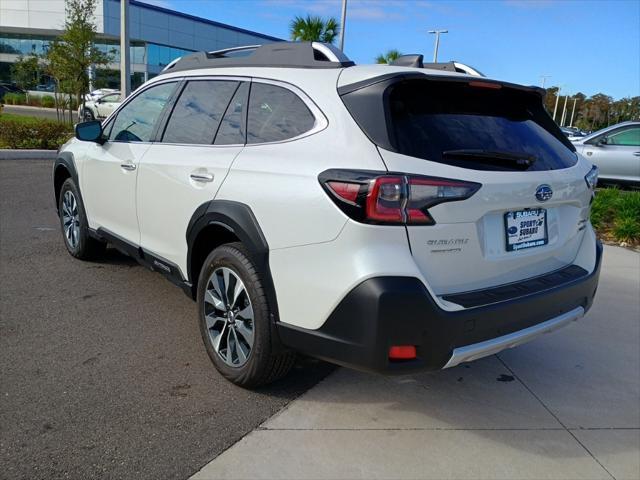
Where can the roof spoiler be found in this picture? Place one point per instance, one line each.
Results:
(416, 61)
(413, 60)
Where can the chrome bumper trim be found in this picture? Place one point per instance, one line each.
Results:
(495, 345)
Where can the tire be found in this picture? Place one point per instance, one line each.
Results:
(87, 115)
(74, 225)
(237, 331)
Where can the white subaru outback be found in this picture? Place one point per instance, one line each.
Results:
(385, 218)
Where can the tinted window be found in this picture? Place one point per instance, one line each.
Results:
(137, 119)
(231, 131)
(198, 112)
(276, 114)
(474, 127)
(630, 138)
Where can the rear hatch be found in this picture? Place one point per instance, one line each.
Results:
(529, 214)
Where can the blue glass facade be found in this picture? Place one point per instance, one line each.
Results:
(158, 35)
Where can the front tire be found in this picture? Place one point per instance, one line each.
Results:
(74, 225)
(235, 319)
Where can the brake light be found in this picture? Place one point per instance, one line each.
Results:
(346, 191)
(396, 199)
(494, 86)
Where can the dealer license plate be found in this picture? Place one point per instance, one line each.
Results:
(525, 228)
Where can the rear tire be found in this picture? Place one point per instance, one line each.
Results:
(87, 115)
(74, 225)
(235, 320)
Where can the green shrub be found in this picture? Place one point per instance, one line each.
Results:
(34, 133)
(15, 98)
(615, 214)
(626, 229)
(48, 101)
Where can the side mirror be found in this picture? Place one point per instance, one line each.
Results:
(90, 131)
(603, 141)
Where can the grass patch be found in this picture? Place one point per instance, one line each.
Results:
(18, 118)
(615, 214)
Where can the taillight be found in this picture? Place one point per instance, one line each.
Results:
(397, 199)
(385, 200)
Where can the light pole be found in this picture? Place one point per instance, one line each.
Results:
(555, 109)
(435, 49)
(343, 21)
(125, 64)
(564, 111)
(573, 111)
(544, 79)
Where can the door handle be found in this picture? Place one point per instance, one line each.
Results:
(128, 166)
(201, 177)
(637, 154)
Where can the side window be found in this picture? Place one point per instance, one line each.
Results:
(198, 112)
(114, 97)
(137, 119)
(231, 131)
(629, 137)
(276, 114)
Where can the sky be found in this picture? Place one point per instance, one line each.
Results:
(584, 46)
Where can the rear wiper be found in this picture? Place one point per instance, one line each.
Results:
(517, 160)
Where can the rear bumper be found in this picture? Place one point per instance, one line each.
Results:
(386, 311)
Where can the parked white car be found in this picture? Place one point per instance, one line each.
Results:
(386, 218)
(100, 107)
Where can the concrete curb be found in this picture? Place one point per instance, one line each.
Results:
(8, 154)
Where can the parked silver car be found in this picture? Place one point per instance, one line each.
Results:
(616, 152)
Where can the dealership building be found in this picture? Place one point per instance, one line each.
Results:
(158, 35)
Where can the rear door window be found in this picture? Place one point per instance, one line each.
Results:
(276, 114)
(198, 112)
(232, 128)
(474, 127)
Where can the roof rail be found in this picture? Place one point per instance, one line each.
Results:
(277, 54)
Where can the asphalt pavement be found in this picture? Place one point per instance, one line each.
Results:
(104, 374)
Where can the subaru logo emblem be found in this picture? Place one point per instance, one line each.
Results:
(544, 193)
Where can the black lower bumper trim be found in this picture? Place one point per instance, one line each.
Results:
(386, 311)
(501, 293)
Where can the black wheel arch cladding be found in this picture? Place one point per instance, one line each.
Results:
(239, 220)
(63, 168)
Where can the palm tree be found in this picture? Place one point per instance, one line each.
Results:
(388, 57)
(314, 29)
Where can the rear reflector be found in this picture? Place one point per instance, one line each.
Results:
(402, 352)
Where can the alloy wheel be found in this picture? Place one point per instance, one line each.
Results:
(70, 219)
(229, 317)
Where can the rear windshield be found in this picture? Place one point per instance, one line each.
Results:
(474, 127)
